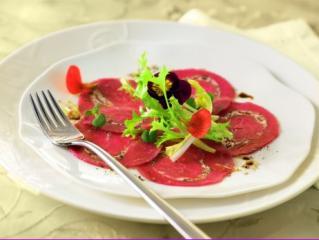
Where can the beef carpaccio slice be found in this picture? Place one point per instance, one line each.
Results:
(213, 83)
(88, 157)
(253, 127)
(115, 118)
(130, 152)
(107, 93)
(194, 168)
(115, 104)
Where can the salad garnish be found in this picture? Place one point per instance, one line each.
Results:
(177, 118)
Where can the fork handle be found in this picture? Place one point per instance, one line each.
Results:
(186, 228)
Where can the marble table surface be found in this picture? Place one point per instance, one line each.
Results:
(23, 21)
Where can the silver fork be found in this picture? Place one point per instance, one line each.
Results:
(57, 127)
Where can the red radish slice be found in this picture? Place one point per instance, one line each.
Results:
(213, 83)
(253, 127)
(131, 152)
(194, 168)
(73, 80)
(200, 123)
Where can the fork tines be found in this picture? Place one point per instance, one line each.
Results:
(48, 112)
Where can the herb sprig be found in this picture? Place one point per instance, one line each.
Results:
(99, 118)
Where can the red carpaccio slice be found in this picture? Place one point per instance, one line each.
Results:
(213, 83)
(115, 104)
(194, 168)
(107, 93)
(88, 157)
(253, 127)
(221, 104)
(115, 117)
(130, 152)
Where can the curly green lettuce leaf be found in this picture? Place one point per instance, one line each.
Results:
(145, 75)
(151, 113)
(179, 111)
(181, 115)
(160, 80)
(142, 78)
(202, 98)
(168, 134)
(219, 132)
(131, 125)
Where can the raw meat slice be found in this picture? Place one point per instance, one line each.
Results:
(88, 157)
(85, 102)
(211, 82)
(131, 152)
(194, 168)
(253, 128)
(107, 92)
(111, 90)
(221, 104)
(115, 118)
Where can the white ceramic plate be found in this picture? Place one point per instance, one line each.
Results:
(287, 152)
(25, 165)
